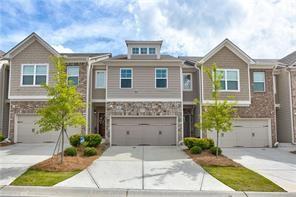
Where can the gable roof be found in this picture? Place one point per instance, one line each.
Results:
(38, 38)
(232, 47)
(289, 60)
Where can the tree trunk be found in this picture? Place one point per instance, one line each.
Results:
(217, 147)
(62, 153)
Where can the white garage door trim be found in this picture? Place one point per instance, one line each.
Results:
(260, 119)
(118, 116)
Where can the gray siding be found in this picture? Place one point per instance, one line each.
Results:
(284, 112)
(189, 96)
(144, 82)
(34, 53)
(227, 59)
(97, 93)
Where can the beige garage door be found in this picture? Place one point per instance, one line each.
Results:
(143, 131)
(27, 131)
(246, 133)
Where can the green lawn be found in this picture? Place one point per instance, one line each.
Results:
(242, 179)
(42, 178)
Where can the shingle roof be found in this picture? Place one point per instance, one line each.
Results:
(84, 54)
(266, 61)
(162, 57)
(289, 59)
(1, 53)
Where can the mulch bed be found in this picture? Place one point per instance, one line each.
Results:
(78, 162)
(5, 144)
(206, 158)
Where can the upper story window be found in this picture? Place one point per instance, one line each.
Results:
(259, 81)
(34, 74)
(100, 79)
(230, 79)
(152, 51)
(144, 51)
(187, 81)
(73, 75)
(126, 78)
(161, 77)
(135, 51)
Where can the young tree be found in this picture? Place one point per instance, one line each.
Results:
(64, 108)
(219, 115)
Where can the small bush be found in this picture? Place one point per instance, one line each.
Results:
(214, 149)
(1, 137)
(195, 150)
(71, 151)
(90, 151)
(188, 141)
(202, 143)
(211, 142)
(75, 140)
(85, 144)
(93, 140)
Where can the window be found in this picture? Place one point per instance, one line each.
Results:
(152, 51)
(73, 75)
(259, 81)
(230, 79)
(34, 74)
(161, 77)
(135, 51)
(187, 81)
(101, 79)
(143, 51)
(126, 77)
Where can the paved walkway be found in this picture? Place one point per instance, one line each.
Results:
(276, 164)
(16, 159)
(147, 167)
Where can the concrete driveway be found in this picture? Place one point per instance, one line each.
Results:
(146, 167)
(276, 164)
(16, 159)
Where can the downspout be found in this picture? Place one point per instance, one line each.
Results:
(274, 101)
(200, 96)
(87, 94)
(291, 104)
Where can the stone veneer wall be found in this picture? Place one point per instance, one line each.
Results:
(262, 103)
(144, 109)
(293, 88)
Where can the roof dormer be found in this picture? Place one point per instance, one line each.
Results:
(143, 49)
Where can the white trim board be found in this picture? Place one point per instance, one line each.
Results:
(143, 100)
(239, 103)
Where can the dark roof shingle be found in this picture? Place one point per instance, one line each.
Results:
(289, 59)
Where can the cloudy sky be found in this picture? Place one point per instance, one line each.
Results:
(263, 29)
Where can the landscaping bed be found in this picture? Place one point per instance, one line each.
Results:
(51, 171)
(228, 171)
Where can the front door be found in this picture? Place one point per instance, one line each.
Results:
(187, 125)
(101, 124)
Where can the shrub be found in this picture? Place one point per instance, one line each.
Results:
(195, 150)
(211, 142)
(214, 149)
(93, 140)
(75, 140)
(1, 137)
(188, 141)
(202, 143)
(90, 151)
(71, 151)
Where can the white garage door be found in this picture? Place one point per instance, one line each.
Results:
(136, 131)
(246, 133)
(27, 131)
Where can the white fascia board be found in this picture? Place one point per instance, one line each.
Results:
(142, 100)
(238, 103)
(21, 98)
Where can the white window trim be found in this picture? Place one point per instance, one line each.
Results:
(132, 80)
(34, 74)
(74, 75)
(167, 78)
(139, 48)
(187, 90)
(225, 75)
(100, 87)
(259, 81)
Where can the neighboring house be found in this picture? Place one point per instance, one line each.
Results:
(4, 106)
(144, 97)
(286, 113)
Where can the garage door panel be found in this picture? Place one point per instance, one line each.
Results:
(143, 131)
(246, 133)
(29, 132)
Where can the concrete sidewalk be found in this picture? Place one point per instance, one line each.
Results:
(145, 167)
(92, 192)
